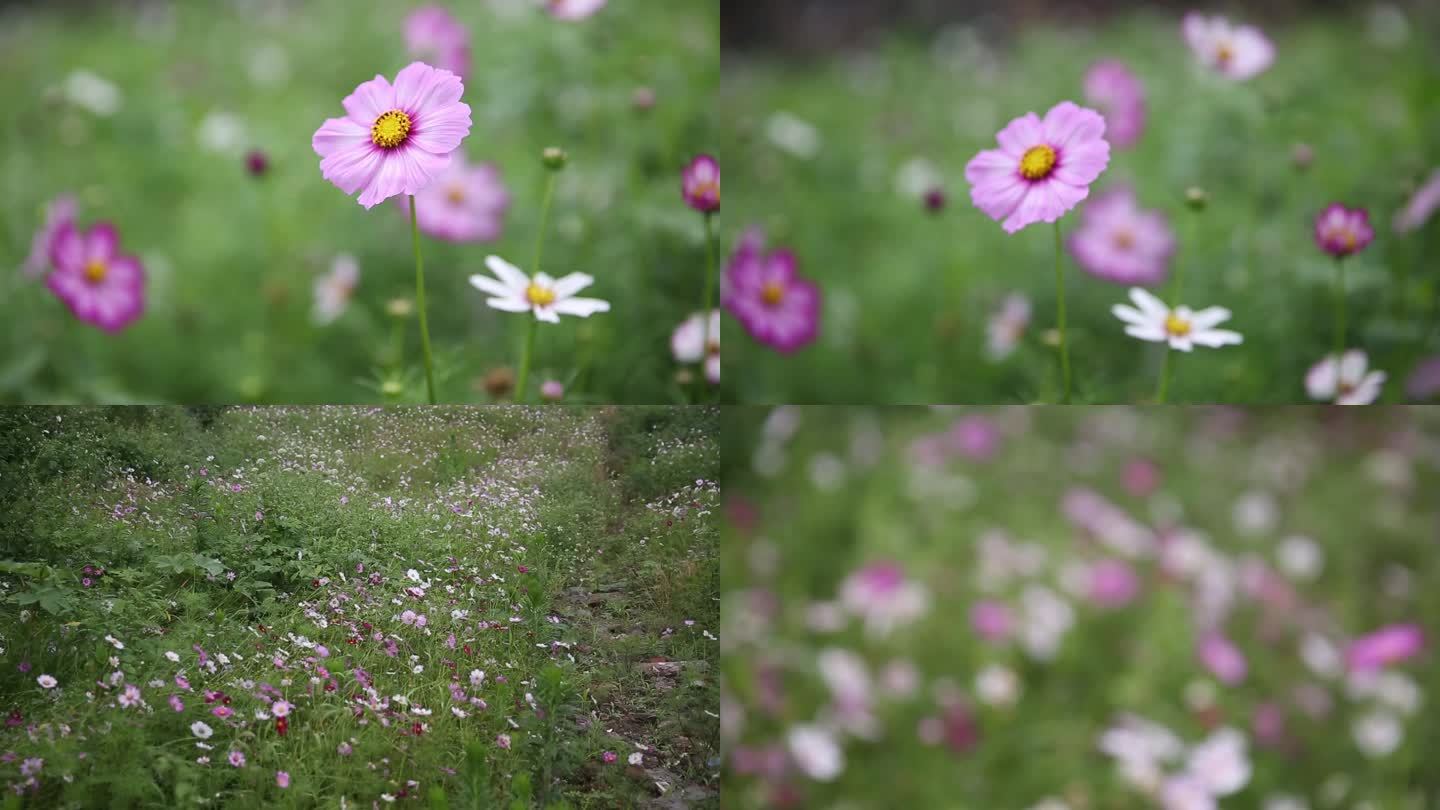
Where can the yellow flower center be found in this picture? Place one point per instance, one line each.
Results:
(539, 296)
(1224, 54)
(455, 194)
(706, 188)
(95, 271)
(1176, 326)
(390, 129)
(1124, 240)
(772, 293)
(1037, 162)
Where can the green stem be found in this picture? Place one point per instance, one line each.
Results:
(1060, 320)
(712, 248)
(420, 302)
(1164, 377)
(1339, 308)
(521, 391)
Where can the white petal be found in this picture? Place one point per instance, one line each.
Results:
(1132, 315)
(1146, 331)
(1148, 303)
(571, 284)
(507, 272)
(1208, 317)
(508, 304)
(547, 314)
(490, 286)
(583, 307)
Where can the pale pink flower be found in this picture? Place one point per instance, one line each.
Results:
(1424, 382)
(333, 291)
(573, 9)
(1007, 326)
(1121, 242)
(1235, 52)
(1347, 382)
(61, 211)
(282, 779)
(130, 697)
(465, 203)
(1421, 205)
(237, 759)
(1118, 94)
(46, 681)
(503, 740)
(433, 35)
(1222, 658)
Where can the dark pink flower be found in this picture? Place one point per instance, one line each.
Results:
(1141, 477)
(61, 211)
(1042, 169)
(436, 37)
(609, 757)
(1342, 231)
(465, 203)
(700, 184)
(1121, 242)
(98, 283)
(1388, 645)
(1120, 97)
(394, 138)
(256, 162)
(772, 301)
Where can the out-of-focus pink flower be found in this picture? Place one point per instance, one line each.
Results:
(609, 757)
(1424, 382)
(464, 203)
(772, 301)
(1043, 168)
(1342, 231)
(976, 438)
(1007, 326)
(256, 163)
(436, 37)
(1268, 723)
(992, 620)
(282, 779)
(1421, 205)
(881, 594)
(1235, 52)
(573, 9)
(394, 138)
(1141, 477)
(1112, 583)
(1222, 658)
(1388, 645)
(700, 184)
(552, 390)
(1120, 97)
(1121, 242)
(1347, 382)
(334, 289)
(61, 211)
(97, 282)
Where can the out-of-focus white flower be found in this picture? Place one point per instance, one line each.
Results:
(1320, 655)
(917, 176)
(1045, 619)
(996, 685)
(1282, 801)
(900, 679)
(1142, 749)
(793, 134)
(881, 594)
(1221, 763)
(816, 752)
(222, 132)
(1378, 733)
(851, 690)
(827, 472)
(269, 65)
(1256, 513)
(94, 93)
(333, 291)
(1300, 558)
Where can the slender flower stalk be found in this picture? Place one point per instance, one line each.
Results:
(1195, 199)
(712, 250)
(1339, 305)
(1060, 319)
(1341, 232)
(554, 160)
(420, 303)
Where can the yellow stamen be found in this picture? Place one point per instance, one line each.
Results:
(1176, 326)
(1124, 240)
(95, 271)
(1224, 54)
(705, 189)
(772, 293)
(455, 194)
(539, 296)
(390, 129)
(1037, 162)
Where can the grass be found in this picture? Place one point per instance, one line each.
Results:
(908, 294)
(290, 553)
(815, 494)
(232, 259)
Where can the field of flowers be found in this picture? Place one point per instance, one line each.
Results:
(338, 607)
(1081, 608)
(1002, 210)
(211, 202)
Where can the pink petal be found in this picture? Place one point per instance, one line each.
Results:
(1020, 134)
(338, 133)
(420, 88)
(67, 248)
(1082, 162)
(441, 130)
(100, 242)
(353, 168)
(1321, 381)
(369, 100)
(999, 199)
(389, 179)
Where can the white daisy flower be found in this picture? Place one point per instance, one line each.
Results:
(513, 291)
(1183, 329)
(696, 339)
(1346, 382)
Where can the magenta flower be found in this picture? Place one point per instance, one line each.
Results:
(98, 283)
(1120, 97)
(1112, 583)
(1418, 209)
(1235, 52)
(1119, 241)
(1042, 169)
(465, 203)
(609, 757)
(60, 212)
(1342, 231)
(770, 299)
(991, 620)
(1388, 645)
(573, 9)
(434, 36)
(700, 184)
(394, 138)
(1222, 658)
(282, 779)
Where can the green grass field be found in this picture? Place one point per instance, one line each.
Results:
(232, 259)
(1291, 531)
(908, 294)
(498, 607)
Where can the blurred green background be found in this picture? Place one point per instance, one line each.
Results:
(823, 141)
(232, 259)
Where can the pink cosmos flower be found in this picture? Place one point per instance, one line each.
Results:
(434, 36)
(551, 391)
(1007, 326)
(176, 703)
(700, 184)
(609, 757)
(280, 708)
(61, 211)
(98, 283)
(884, 597)
(1119, 241)
(1112, 583)
(503, 740)
(1042, 169)
(222, 711)
(1424, 382)
(465, 203)
(992, 620)
(1117, 92)
(1342, 231)
(1141, 477)
(47, 681)
(334, 289)
(974, 438)
(772, 301)
(1388, 645)
(394, 138)
(1222, 658)
(696, 339)
(1235, 52)
(573, 9)
(1418, 209)
(237, 759)
(1345, 382)
(282, 779)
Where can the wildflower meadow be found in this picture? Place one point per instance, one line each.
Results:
(1083, 203)
(328, 201)
(1051, 608)
(502, 607)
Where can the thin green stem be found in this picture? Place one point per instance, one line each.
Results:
(1060, 320)
(521, 390)
(712, 248)
(1339, 308)
(420, 302)
(1164, 376)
